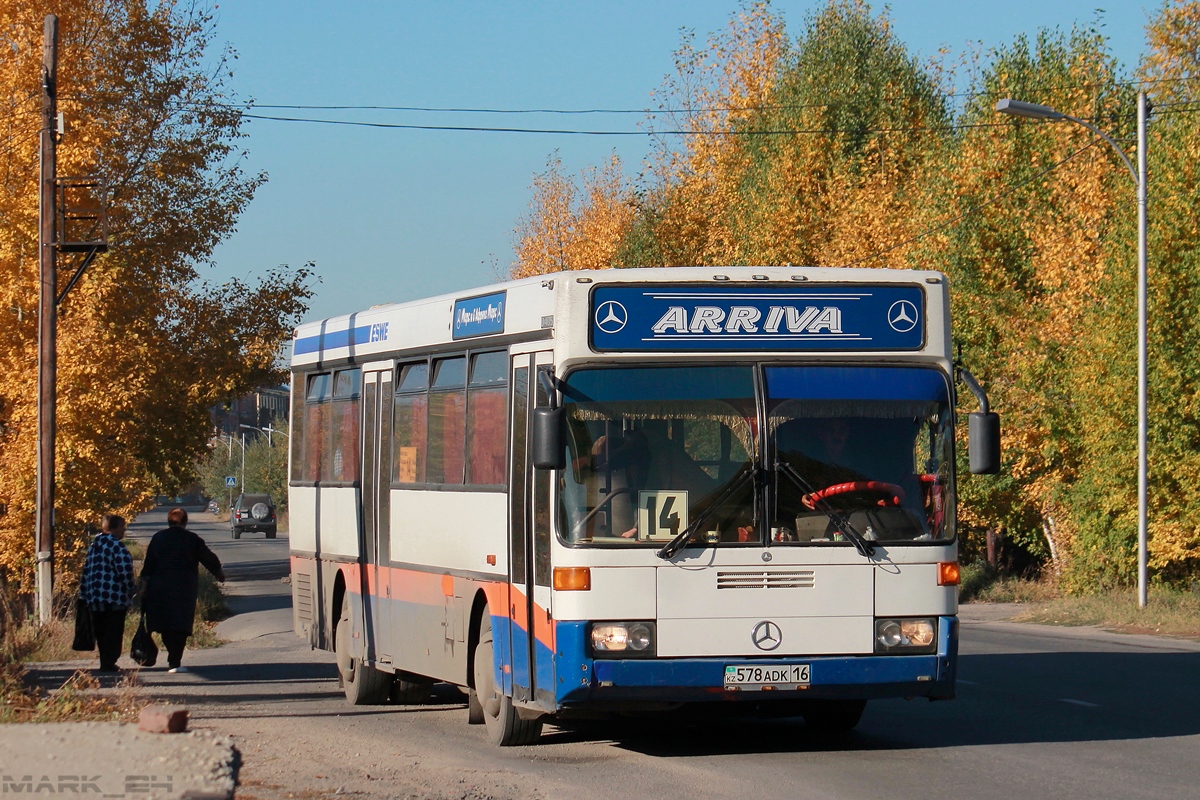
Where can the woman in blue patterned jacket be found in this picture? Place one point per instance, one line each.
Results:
(107, 588)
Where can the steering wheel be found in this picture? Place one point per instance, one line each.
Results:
(876, 492)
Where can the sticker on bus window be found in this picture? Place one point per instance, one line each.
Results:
(406, 463)
(662, 515)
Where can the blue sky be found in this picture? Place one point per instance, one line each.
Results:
(391, 215)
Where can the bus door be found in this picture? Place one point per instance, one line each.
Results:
(530, 624)
(376, 485)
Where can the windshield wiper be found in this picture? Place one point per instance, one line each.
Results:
(679, 542)
(861, 543)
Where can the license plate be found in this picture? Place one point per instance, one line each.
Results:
(758, 677)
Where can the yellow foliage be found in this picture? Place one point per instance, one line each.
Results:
(567, 232)
(713, 92)
(143, 346)
(840, 150)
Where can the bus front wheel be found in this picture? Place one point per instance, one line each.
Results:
(500, 718)
(362, 683)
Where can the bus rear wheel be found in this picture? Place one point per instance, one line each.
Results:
(504, 726)
(834, 716)
(409, 692)
(362, 683)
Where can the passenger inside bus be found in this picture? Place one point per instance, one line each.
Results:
(621, 465)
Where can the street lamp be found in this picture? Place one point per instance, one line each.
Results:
(1018, 108)
(267, 430)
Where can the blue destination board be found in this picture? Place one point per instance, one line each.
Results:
(479, 316)
(708, 318)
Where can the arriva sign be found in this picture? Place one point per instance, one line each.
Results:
(886, 317)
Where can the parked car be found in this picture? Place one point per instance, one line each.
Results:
(252, 512)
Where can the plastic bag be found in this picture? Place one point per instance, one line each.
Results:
(85, 634)
(143, 650)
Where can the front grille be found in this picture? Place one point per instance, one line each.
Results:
(304, 603)
(766, 579)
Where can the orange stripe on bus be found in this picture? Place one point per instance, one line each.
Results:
(430, 589)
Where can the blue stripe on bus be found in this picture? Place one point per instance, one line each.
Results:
(516, 654)
(332, 340)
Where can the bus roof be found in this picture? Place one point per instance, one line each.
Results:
(528, 308)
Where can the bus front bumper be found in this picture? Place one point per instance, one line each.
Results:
(588, 682)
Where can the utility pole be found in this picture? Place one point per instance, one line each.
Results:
(47, 322)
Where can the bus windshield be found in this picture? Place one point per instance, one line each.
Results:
(652, 449)
(649, 449)
(871, 444)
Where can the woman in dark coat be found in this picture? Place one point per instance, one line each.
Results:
(170, 581)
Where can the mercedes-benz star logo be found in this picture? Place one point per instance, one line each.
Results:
(767, 635)
(611, 316)
(902, 316)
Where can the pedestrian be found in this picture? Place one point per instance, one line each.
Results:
(170, 581)
(107, 588)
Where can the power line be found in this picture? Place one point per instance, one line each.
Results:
(582, 132)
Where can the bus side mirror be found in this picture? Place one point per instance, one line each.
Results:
(548, 427)
(983, 429)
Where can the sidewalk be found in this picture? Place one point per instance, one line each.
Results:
(115, 760)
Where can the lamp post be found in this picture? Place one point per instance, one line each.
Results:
(1019, 108)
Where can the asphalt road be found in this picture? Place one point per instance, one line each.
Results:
(1042, 712)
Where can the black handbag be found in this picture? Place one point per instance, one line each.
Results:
(142, 649)
(85, 634)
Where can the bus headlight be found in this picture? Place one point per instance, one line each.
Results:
(906, 635)
(623, 639)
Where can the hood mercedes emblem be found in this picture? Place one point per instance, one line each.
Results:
(767, 635)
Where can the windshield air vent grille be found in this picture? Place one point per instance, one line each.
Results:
(766, 579)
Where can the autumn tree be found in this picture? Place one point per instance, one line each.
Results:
(840, 148)
(571, 226)
(686, 214)
(145, 344)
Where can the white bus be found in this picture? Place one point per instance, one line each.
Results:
(607, 492)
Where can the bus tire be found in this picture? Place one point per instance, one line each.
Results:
(410, 693)
(362, 683)
(474, 709)
(504, 727)
(834, 716)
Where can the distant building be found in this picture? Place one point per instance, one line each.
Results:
(257, 410)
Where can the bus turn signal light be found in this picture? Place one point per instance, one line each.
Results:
(572, 579)
(948, 573)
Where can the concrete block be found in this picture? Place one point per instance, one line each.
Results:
(163, 719)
